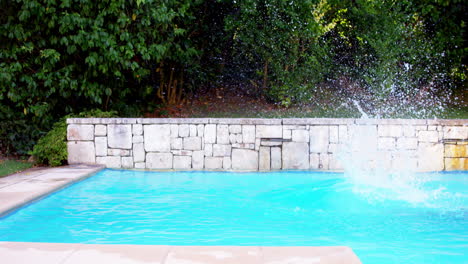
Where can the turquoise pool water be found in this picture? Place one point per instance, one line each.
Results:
(271, 209)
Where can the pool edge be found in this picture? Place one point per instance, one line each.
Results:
(15, 194)
(63, 253)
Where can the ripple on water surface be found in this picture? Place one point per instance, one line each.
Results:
(269, 209)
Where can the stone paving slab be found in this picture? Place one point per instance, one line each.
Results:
(21, 188)
(56, 253)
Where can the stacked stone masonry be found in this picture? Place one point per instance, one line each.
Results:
(269, 144)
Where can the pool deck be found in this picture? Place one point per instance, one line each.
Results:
(22, 188)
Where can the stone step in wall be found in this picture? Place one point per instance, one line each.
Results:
(268, 144)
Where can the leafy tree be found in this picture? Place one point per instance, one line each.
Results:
(59, 57)
(283, 41)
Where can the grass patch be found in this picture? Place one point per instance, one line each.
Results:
(8, 167)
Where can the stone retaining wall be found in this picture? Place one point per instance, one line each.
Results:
(268, 144)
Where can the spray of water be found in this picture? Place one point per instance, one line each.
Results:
(374, 174)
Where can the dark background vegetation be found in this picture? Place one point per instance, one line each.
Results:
(396, 58)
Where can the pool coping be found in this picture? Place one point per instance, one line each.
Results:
(61, 253)
(26, 187)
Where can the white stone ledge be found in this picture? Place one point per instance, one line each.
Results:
(270, 121)
(173, 120)
(318, 121)
(391, 121)
(246, 121)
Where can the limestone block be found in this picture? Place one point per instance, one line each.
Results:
(198, 158)
(138, 152)
(222, 134)
(220, 150)
(176, 143)
(208, 150)
(182, 162)
(297, 127)
(118, 152)
(159, 160)
(334, 134)
(110, 162)
(362, 138)
(287, 134)
(81, 152)
(137, 139)
(157, 138)
(257, 144)
(119, 136)
(140, 165)
(243, 145)
(182, 152)
(227, 163)
(275, 154)
(184, 130)
(295, 155)
(213, 162)
(200, 129)
(432, 128)
(335, 148)
(235, 129)
(386, 143)
(193, 130)
(300, 135)
(455, 132)
(343, 136)
(248, 134)
(127, 162)
(419, 128)
(324, 161)
(428, 136)
(430, 157)
(192, 143)
(137, 129)
(80, 132)
(456, 164)
(390, 131)
(100, 146)
(232, 138)
(244, 159)
(318, 139)
(210, 133)
(239, 138)
(264, 158)
(456, 151)
(409, 131)
(100, 130)
(265, 131)
(174, 131)
(405, 143)
(404, 161)
(314, 161)
(334, 163)
(270, 142)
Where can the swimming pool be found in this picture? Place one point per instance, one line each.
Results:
(430, 225)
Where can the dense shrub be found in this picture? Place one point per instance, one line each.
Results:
(62, 57)
(51, 149)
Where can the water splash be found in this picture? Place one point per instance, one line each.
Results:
(380, 176)
(363, 114)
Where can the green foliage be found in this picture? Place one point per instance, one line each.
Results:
(61, 57)
(51, 149)
(283, 40)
